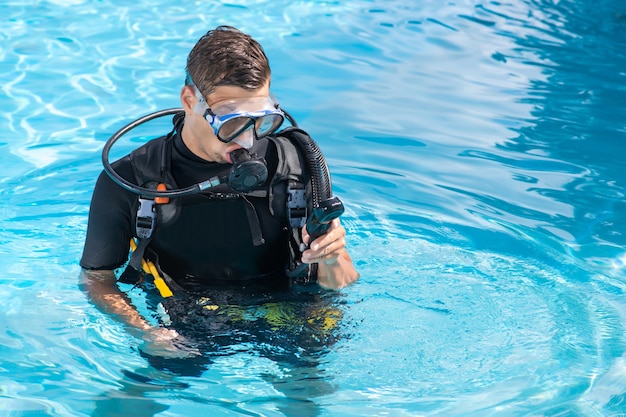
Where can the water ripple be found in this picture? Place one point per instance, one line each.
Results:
(481, 322)
(474, 144)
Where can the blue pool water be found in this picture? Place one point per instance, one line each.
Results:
(478, 147)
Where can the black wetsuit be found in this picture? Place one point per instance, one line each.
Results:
(234, 291)
(210, 243)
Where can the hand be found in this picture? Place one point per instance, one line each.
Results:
(326, 248)
(167, 343)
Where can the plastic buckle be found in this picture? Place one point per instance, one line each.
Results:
(146, 218)
(296, 207)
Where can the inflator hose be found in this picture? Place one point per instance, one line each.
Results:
(321, 188)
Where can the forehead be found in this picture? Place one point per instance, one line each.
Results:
(231, 92)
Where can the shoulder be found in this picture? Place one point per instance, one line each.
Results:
(107, 193)
(146, 162)
(292, 150)
(122, 167)
(149, 153)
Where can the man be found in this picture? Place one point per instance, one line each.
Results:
(225, 239)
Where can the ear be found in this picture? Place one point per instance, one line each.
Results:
(188, 98)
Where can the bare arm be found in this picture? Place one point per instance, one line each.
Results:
(102, 291)
(335, 268)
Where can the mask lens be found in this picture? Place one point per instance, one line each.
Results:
(267, 124)
(233, 127)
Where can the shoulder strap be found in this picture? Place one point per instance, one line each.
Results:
(150, 164)
(290, 200)
(290, 176)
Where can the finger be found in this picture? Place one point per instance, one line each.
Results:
(325, 253)
(336, 232)
(186, 347)
(334, 224)
(305, 236)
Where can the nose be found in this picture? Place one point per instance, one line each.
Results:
(245, 139)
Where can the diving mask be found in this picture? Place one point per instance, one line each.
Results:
(243, 119)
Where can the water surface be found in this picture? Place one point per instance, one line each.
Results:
(478, 149)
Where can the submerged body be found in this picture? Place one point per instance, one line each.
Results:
(210, 240)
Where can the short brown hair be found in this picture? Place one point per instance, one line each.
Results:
(227, 56)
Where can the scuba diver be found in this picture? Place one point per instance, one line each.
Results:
(222, 213)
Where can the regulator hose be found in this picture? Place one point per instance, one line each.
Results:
(316, 164)
(235, 179)
(325, 206)
(147, 192)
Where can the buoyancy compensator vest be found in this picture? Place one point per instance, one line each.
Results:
(299, 192)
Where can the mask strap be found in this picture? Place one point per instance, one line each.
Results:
(201, 107)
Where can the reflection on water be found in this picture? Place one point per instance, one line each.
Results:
(577, 118)
(293, 330)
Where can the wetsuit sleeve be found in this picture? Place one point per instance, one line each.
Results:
(109, 226)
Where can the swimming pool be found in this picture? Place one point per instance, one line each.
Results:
(476, 145)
